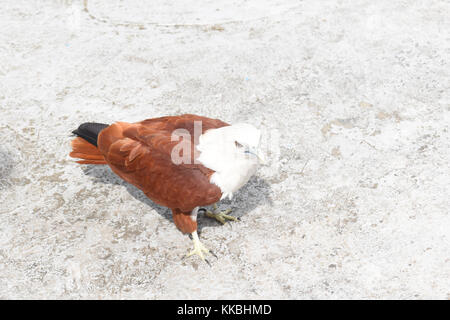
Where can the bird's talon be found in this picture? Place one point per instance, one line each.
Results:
(213, 254)
(199, 248)
(222, 217)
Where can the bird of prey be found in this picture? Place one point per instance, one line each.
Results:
(182, 162)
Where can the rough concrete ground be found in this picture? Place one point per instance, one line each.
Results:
(354, 202)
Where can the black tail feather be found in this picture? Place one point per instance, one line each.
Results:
(89, 131)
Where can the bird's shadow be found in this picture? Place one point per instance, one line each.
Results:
(254, 194)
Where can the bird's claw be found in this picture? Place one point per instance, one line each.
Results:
(199, 249)
(222, 216)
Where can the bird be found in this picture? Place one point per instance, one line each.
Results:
(183, 162)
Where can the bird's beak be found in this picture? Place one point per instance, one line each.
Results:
(258, 154)
(261, 157)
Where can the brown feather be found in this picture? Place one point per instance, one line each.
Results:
(84, 150)
(183, 221)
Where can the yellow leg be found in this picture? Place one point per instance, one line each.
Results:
(222, 217)
(199, 248)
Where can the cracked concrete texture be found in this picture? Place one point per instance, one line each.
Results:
(354, 203)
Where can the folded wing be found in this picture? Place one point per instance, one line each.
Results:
(140, 153)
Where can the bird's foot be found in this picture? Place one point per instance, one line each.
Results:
(199, 248)
(222, 216)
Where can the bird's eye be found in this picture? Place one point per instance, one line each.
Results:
(238, 144)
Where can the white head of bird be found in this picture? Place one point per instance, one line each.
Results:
(233, 152)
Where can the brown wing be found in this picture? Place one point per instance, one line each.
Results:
(140, 153)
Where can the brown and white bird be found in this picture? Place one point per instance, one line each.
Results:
(181, 162)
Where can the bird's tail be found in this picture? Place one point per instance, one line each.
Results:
(85, 145)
